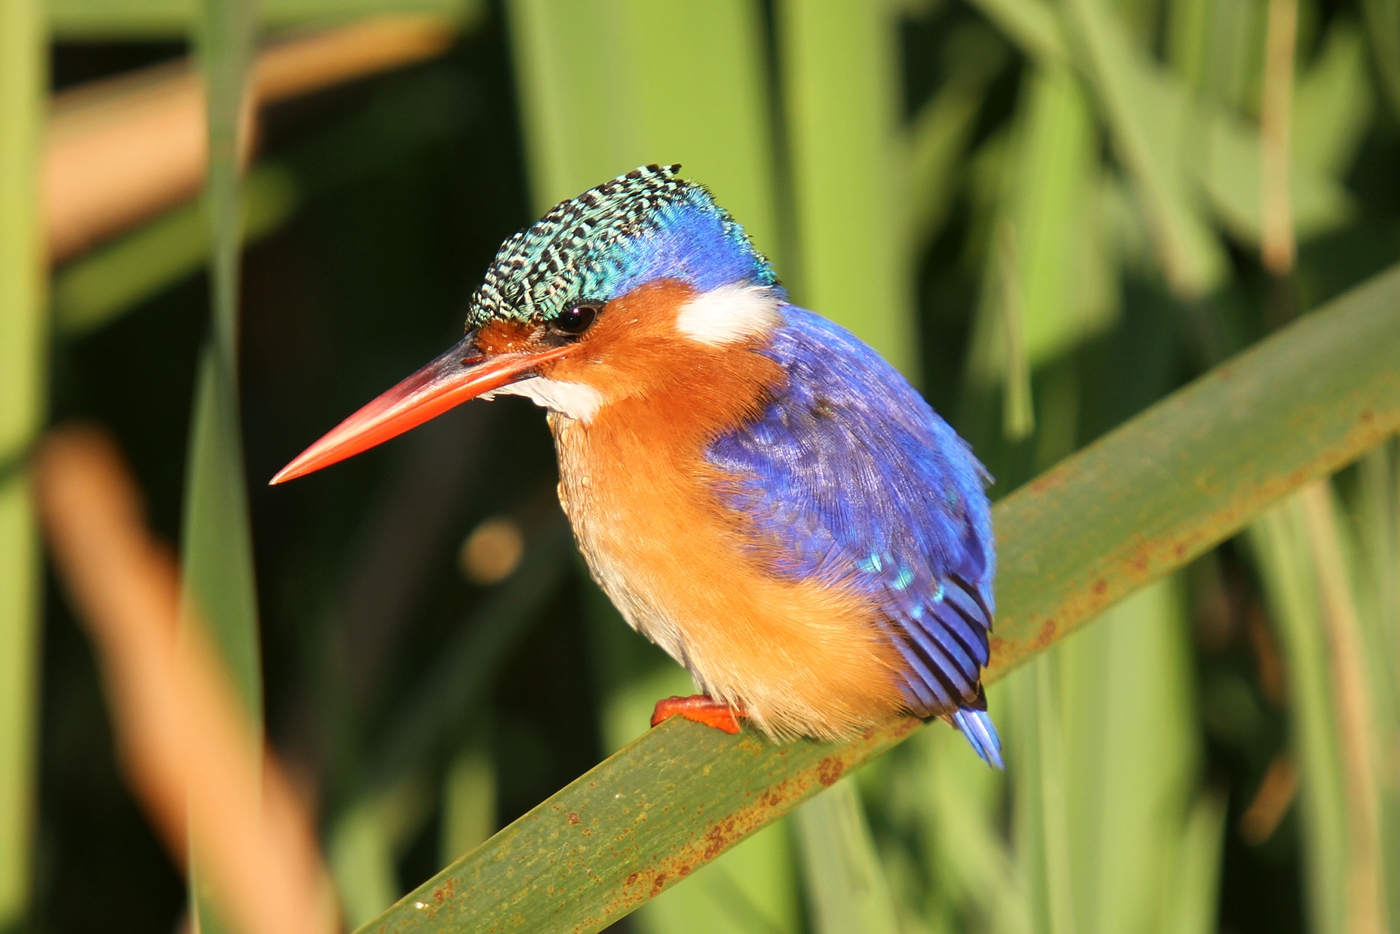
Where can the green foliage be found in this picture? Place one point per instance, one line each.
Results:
(853, 253)
(1336, 625)
(217, 546)
(22, 389)
(110, 281)
(846, 885)
(88, 20)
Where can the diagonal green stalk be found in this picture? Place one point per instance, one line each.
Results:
(216, 546)
(1136, 505)
(23, 73)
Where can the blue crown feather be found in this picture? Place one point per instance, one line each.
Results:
(645, 225)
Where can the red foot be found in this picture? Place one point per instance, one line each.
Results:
(698, 707)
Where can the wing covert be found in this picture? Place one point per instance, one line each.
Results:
(862, 484)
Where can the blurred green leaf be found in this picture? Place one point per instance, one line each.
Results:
(23, 381)
(845, 883)
(1363, 747)
(1040, 804)
(956, 804)
(942, 129)
(216, 551)
(99, 287)
(1332, 104)
(1229, 174)
(1279, 545)
(1018, 409)
(608, 86)
(1336, 646)
(1067, 295)
(1047, 194)
(1383, 29)
(849, 175)
(1377, 513)
(1133, 759)
(88, 20)
(1188, 41)
(1133, 507)
(1104, 762)
(365, 844)
(1194, 883)
(1032, 24)
(1234, 55)
(1332, 110)
(468, 797)
(1150, 122)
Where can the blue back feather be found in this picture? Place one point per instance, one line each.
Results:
(862, 484)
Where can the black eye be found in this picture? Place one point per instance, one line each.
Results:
(577, 318)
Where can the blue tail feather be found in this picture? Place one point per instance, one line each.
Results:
(977, 726)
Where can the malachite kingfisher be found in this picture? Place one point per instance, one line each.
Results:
(757, 490)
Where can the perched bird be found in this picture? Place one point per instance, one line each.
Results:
(755, 488)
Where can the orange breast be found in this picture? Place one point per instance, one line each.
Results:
(799, 658)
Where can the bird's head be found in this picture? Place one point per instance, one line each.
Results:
(607, 296)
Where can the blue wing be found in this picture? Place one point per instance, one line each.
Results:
(866, 486)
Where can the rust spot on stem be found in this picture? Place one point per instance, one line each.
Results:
(829, 771)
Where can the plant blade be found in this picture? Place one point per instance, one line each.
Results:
(846, 885)
(216, 549)
(849, 177)
(23, 75)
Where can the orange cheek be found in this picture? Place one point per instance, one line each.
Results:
(634, 345)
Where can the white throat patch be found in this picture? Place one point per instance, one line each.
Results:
(572, 400)
(728, 314)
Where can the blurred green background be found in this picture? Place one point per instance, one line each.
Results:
(1048, 213)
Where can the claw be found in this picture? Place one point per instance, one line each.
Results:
(698, 707)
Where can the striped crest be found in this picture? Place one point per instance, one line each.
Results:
(563, 255)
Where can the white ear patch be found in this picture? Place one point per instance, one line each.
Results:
(572, 400)
(729, 313)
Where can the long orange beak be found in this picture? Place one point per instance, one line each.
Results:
(461, 374)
